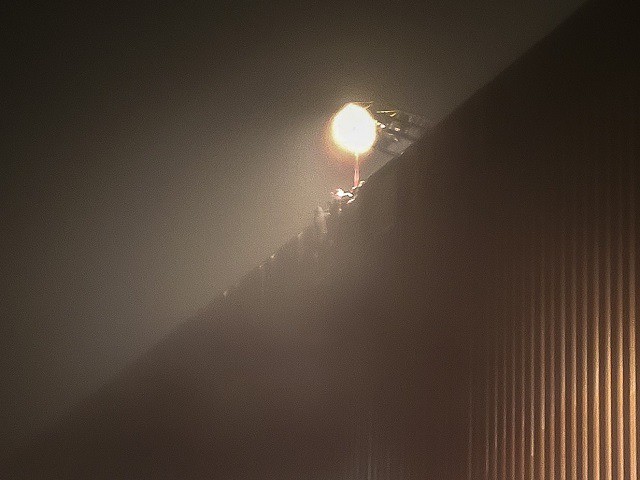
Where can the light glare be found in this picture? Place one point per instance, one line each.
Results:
(354, 129)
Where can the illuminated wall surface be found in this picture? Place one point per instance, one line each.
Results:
(471, 316)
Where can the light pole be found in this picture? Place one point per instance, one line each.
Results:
(354, 130)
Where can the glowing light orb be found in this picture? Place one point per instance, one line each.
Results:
(354, 129)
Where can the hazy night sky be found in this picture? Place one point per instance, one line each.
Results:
(151, 155)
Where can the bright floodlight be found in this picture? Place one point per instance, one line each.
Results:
(354, 129)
